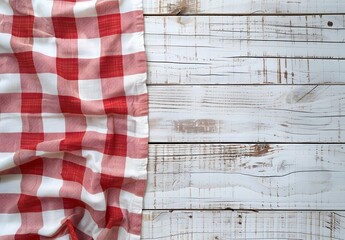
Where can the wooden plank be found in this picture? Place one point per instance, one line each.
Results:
(248, 71)
(180, 7)
(247, 113)
(245, 50)
(220, 225)
(246, 176)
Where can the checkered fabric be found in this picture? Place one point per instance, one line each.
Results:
(73, 119)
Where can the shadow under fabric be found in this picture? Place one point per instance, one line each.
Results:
(73, 119)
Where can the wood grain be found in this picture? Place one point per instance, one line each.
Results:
(281, 66)
(246, 176)
(247, 113)
(245, 49)
(220, 225)
(197, 7)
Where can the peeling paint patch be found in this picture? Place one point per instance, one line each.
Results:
(258, 150)
(178, 9)
(197, 126)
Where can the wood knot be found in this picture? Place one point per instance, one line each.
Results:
(260, 150)
(239, 219)
(178, 9)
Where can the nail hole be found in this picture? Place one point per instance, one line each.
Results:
(330, 24)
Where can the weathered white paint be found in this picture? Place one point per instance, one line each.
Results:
(220, 225)
(257, 176)
(247, 113)
(176, 7)
(248, 71)
(245, 49)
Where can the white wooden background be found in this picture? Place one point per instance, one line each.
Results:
(247, 129)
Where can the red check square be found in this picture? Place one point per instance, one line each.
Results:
(73, 172)
(28, 203)
(22, 26)
(70, 104)
(72, 141)
(111, 66)
(65, 27)
(34, 167)
(27, 236)
(25, 62)
(67, 68)
(109, 25)
(31, 103)
(31, 140)
(114, 216)
(108, 181)
(116, 145)
(116, 105)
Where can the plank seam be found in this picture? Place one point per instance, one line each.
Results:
(241, 15)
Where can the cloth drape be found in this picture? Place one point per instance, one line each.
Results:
(73, 119)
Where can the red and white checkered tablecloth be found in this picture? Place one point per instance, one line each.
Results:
(73, 119)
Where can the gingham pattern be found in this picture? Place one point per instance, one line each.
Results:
(73, 119)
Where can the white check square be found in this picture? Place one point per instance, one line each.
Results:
(42, 8)
(64, 237)
(93, 160)
(11, 184)
(135, 84)
(53, 123)
(88, 225)
(46, 46)
(90, 89)
(123, 234)
(131, 202)
(97, 124)
(137, 126)
(97, 201)
(89, 48)
(6, 160)
(132, 43)
(10, 83)
(10, 123)
(5, 41)
(130, 6)
(85, 9)
(5, 8)
(48, 83)
(51, 222)
(136, 168)
(50, 187)
(10, 223)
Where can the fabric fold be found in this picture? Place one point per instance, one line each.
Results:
(73, 119)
